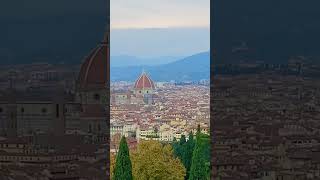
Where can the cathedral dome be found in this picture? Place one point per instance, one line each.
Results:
(144, 82)
(94, 70)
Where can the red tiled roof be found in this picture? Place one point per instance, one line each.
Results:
(94, 70)
(144, 82)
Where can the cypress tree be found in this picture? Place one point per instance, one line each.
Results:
(178, 147)
(187, 159)
(200, 158)
(123, 167)
(181, 148)
(198, 129)
(183, 140)
(198, 169)
(175, 146)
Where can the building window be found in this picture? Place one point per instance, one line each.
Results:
(97, 97)
(1, 110)
(22, 110)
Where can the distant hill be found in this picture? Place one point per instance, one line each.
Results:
(125, 60)
(191, 68)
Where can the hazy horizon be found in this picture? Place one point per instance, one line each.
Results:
(159, 42)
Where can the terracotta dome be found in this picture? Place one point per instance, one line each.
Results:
(144, 82)
(94, 70)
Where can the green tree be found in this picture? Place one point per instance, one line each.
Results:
(188, 151)
(155, 161)
(112, 164)
(179, 149)
(201, 158)
(198, 169)
(123, 167)
(175, 147)
(198, 129)
(183, 140)
(183, 150)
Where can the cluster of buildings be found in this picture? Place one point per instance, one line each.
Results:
(54, 119)
(147, 110)
(266, 126)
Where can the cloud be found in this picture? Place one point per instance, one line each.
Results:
(159, 13)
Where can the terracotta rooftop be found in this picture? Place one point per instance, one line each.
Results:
(94, 70)
(144, 82)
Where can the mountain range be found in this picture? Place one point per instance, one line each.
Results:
(191, 68)
(126, 60)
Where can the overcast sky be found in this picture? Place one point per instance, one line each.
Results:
(153, 28)
(159, 13)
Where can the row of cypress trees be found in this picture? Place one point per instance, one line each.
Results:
(195, 155)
